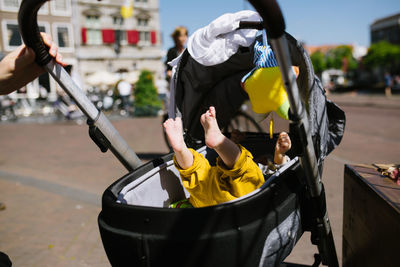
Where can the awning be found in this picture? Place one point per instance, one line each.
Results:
(102, 79)
(132, 77)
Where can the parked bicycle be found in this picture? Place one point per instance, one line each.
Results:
(7, 109)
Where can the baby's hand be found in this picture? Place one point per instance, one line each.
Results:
(283, 144)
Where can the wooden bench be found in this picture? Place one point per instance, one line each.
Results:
(371, 218)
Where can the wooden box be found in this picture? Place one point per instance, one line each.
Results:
(371, 218)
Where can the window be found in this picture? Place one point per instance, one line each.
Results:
(93, 33)
(141, 3)
(62, 34)
(143, 22)
(92, 21)
(117, 21)
(62, 37)
(10, 5)
(61, 7)
(120, 33)
(44, 26)
(11, 37)
(94, 37)
(144, 38)
(44, 9)
(13, 5)
(121, 36)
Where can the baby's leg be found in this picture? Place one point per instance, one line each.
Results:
(173, 129)
(227, 150)
(282, 146)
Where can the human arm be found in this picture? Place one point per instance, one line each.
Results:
(19, 67)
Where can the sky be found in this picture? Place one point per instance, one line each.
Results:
(317, 22)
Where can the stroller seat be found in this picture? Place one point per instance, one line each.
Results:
(137, 227)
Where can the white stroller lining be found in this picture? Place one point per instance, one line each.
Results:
(162, 186)
(158, 188)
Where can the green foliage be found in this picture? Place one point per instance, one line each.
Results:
(382, 54)
(340, 57)
(147, 102)
(318, 61)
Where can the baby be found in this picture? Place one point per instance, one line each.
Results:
(235, 173)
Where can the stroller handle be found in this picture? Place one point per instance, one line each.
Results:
(29, 29)
(272, 16)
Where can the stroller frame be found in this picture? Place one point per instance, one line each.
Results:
(322, 232)
(106, 137)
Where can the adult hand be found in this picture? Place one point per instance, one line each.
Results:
(19, 67)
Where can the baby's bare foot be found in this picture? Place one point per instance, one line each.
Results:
(173, 129)
(283, 144)
(213, 135)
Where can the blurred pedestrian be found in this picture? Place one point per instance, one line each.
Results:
(19, 67)
(179, 36)
(125, 91)
(388, 84)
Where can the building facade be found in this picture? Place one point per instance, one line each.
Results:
(387, 28)
(92, 37)
(108, 42)
(55, 19)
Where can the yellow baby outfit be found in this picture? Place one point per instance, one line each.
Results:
(210, 185)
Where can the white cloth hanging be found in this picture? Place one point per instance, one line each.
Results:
(218, 41)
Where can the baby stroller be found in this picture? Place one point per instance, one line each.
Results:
(260, 229)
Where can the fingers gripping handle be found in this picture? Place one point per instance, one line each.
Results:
(29, 29)
(272, 16)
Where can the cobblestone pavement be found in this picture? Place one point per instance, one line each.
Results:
(52, 177)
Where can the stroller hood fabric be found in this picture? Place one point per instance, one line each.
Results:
(198, 86)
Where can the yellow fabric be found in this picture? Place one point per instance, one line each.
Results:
(210, 185)
(267, 92)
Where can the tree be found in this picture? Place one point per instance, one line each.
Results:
(342, 58)
(318, 61)
(147, 102)
(383, 54)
